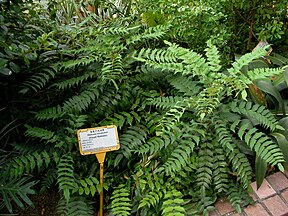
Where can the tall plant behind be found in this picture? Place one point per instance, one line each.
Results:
(234, 26)
(21, 35)
(193, 23)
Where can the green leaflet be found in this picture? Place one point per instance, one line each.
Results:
(266, 86)
(65, 175)
(172, 204)
(213, 57)
(260, 170)
(283, 144)
(179, 157)
(15, 189)
(38, 81)
(238, 197)
(120, 204)
(76, 206)
(28, 163)
(278, 59)
(88, 185)
(245, 60)
(261, 144)
(256, 112)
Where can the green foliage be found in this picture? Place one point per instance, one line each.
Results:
(259, 113)
(49, 180)
(65, 175)
(130, 139)
(152, 198)
(81, 102)
(40, 133)
(151, 190)
(76, 206)
(122, 118)
(16, 189)
(261, 73)
(238, 197)
(180, 154)
(238, 160)
(27, 164)
(172, 203)
(261, 144)
(88, 186)
(49, 113)
(220, 170)
(120, 204)
(282, 141)
(205, 203)
(245, 60)
(38, 81)
(210, 105)
(183, 111)
(260, 170)
(205, 166)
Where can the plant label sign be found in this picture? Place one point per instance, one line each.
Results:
(98, 140)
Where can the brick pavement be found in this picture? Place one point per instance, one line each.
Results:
(271, 199)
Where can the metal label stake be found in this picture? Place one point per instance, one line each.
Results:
(101, 158)
(98, 141)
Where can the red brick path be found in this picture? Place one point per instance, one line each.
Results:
(271, 199)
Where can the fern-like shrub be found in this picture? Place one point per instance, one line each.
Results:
(185, 123)
(213, 124)
(90, 81)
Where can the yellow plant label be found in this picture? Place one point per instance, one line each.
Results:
(98, 140)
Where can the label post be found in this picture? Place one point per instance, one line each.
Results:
(101, 158)
(98, 141)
